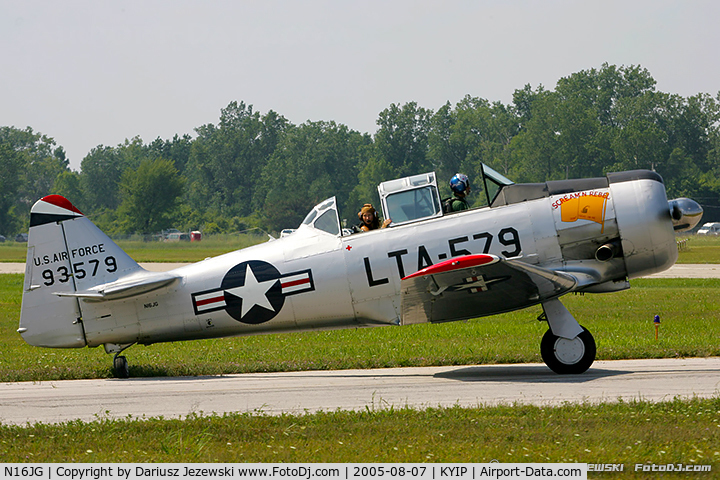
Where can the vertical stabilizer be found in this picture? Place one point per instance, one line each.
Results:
(66, 253)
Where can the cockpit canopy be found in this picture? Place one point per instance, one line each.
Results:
(404, 200)
(493, 182)
(410, 199)
(324, 216)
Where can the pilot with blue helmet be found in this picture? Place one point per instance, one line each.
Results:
(460, 186)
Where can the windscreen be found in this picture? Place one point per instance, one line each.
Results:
(412, 205)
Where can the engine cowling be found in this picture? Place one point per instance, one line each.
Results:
(645, 222)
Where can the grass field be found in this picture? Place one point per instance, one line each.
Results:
(686, 432)
(696, 249)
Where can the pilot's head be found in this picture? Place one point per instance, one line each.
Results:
(367, 213)
(460, 184)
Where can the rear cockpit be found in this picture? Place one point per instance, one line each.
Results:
(410, 199)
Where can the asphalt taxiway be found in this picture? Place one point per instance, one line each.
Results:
(300, 392)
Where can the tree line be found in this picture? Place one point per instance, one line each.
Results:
(257, 169)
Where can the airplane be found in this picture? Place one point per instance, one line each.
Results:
(531, 244)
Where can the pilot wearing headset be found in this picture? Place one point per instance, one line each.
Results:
(369, 219)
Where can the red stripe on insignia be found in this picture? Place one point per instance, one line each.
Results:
(295, 282)
(200, 303)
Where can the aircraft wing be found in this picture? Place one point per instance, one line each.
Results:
(477, 285)
(136, 284)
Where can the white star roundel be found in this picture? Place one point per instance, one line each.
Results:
(253, 292)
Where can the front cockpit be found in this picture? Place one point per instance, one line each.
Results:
(324, 217)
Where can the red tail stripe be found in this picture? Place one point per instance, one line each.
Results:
(62, 202)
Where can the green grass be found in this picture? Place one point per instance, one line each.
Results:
(700, 249)
(621, 323)
(674, 432)
(172, 252)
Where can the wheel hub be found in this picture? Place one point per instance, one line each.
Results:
(569, 352)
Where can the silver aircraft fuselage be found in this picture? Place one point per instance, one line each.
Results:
(355, 280)
(533, 244)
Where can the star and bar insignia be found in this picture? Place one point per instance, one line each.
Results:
(253, 292)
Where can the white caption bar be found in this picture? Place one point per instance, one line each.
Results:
(292, 471)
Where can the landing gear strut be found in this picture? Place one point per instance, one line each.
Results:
(567, 347)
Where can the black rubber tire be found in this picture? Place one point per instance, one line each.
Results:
(568, 357)
(121, 367)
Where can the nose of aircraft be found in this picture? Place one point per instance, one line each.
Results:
(686, 213)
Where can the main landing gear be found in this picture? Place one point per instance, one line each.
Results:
(567, 347)
(566, 356)
(121, 369)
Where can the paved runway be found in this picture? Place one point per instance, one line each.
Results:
(298, 392)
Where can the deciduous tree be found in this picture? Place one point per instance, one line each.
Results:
(150, 195)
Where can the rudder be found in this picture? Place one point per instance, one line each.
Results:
(66, 253)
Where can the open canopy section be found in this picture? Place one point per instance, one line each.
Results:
(324, 217)
(493, 182)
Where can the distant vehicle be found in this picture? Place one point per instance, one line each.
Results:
(21, 237)
(165, 233)
(178, 237)
(712, 228)
(2, 238)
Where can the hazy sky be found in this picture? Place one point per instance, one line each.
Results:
(97, 72)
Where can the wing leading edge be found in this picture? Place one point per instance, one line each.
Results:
(475, 286)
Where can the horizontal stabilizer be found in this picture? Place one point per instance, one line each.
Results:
(475, 286)
(131, 286)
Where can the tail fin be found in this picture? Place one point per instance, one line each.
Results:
(67, 254)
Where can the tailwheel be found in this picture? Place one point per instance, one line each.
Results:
(566, 356)
(120, 364)
(121, 367)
